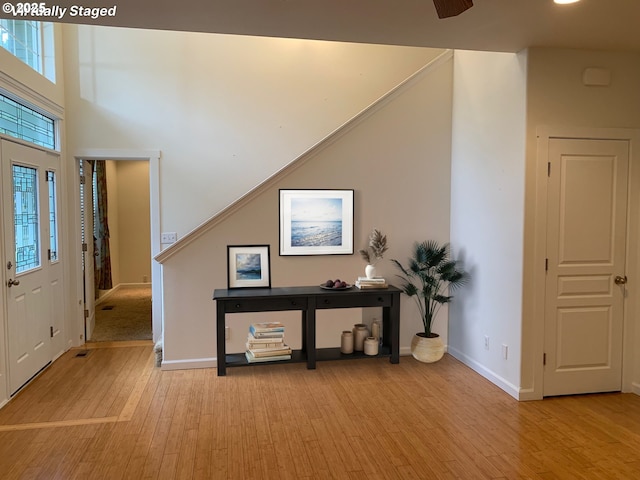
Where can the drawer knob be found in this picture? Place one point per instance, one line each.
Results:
(237, 305)
(326, 301)
(380, 299)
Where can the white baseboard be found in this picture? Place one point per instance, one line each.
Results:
(188, 364)
(134, 285)
(106, 296)
(405, 351)
(488, 374)
(635, 388)
(123, 286)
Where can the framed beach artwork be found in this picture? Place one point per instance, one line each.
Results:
(316, 222)
(248, 266)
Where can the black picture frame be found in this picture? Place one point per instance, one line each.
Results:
(316, 222)
(248, 266)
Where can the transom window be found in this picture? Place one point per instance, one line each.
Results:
(20, 121)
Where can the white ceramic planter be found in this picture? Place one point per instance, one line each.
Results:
(425, 349)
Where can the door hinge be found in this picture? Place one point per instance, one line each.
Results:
(85, 247)
(49, 254)
(51, 331)
(83, 179)
(548, 169)
(546, 264)
(86, 314)
(544, 359)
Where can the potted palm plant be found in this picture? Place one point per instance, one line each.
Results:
(429, 278)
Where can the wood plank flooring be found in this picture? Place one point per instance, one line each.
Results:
(112, 415)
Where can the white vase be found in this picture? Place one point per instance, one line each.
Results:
(346, 342)
(427, 349)
(370, 271)
(360, 332)
(371, 346)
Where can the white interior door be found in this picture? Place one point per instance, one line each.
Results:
(586, 246)
(88, 263)
(34, 280)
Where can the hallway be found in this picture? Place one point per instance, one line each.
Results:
(124, 315)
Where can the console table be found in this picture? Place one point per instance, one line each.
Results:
(307, 300)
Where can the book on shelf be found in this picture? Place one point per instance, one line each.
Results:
(264, 346)
(270, 336)
(275, 352)
(370, 286)
(253, 339)
(372, 280)
(266, 327)
(253, 359)
(371, 283)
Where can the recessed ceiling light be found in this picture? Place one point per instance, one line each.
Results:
(565, 2)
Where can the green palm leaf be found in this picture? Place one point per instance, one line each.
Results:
(428, 275)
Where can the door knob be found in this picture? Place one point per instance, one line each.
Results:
(13, 282)
(620, 280)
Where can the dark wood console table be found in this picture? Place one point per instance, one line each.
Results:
(307, 300)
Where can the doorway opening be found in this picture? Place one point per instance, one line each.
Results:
(124, 308)
(116, 220)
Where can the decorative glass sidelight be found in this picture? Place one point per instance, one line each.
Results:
(53, 216)
(26, 221)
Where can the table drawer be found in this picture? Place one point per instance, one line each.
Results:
(265, 305)
(347, 301)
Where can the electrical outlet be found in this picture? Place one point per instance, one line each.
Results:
(505, 351)
(168, 237)
(227, 333)
(486, 342)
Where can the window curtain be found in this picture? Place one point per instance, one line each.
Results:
(101, 229)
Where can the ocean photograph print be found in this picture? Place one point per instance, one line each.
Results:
(316, 222)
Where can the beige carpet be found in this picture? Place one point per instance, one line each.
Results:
(125, 315)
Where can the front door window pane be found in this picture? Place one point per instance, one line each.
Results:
(26, 223)
(53, 217)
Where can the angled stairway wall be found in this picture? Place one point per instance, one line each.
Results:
(396, 156)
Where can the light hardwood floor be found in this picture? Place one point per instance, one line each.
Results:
(112, 414)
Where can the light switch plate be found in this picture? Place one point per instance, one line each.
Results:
(168, 237)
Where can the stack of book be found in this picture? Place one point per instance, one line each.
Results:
(366, 283)
(265, 343)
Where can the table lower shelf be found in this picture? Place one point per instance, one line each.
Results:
(298, 356)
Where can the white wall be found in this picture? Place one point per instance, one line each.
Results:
(487, 211)
(557, 97)
(225, 111)
(396, 159)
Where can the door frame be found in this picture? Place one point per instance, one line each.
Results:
(632, 266)
(153, 157)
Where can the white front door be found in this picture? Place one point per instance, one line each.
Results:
(586, 247)
(35, 311)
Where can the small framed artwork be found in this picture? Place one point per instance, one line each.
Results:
(248, 266)
(316, 222)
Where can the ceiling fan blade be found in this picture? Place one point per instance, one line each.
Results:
(451, 8)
